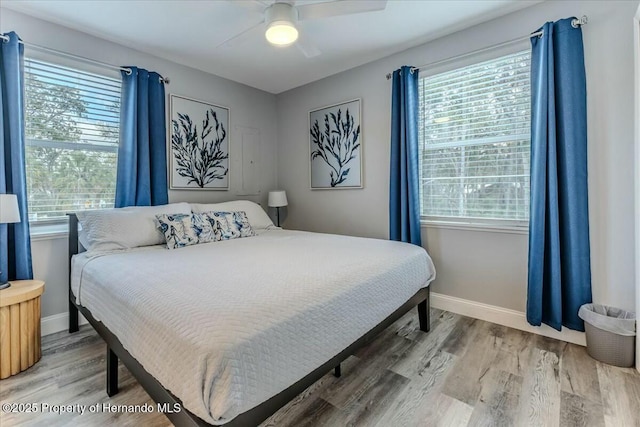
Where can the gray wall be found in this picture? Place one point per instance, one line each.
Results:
(249, 108)
(483, 266)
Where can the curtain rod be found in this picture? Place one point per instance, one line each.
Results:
(575, 23)
(6, 39)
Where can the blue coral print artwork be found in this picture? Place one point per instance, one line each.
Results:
(336, 146)
(199, 145)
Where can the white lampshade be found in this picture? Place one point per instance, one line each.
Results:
(277, 198)
(9, 211)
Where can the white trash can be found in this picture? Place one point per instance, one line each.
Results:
(611, 334)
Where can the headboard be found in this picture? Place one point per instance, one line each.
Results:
(75, 247)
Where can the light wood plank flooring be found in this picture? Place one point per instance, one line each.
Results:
(465, 372)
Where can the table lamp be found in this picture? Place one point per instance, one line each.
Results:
(277, 199)
(9, 213)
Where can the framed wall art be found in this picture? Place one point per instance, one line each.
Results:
(335, 146)
(198, 145)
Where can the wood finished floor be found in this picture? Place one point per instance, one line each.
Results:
(465, 372)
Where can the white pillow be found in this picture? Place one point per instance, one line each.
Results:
(125, 228)
(258, 218)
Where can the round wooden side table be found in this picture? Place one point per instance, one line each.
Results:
(20, 326)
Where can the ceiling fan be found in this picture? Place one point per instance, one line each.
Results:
(280, 20)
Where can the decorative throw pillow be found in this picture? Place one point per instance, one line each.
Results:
(203, 228)
(229, 225)
(178, 230)
(259, 219)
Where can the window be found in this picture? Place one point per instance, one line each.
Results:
(474, 136)
(72, 126)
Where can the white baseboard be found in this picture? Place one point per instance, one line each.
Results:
(502, 316)
(57, 323)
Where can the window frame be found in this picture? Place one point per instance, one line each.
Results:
(514, 226)
(57, 228)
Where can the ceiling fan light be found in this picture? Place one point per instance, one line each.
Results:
(281, 20)
(281, 33)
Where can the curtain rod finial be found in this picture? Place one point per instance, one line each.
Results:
(575, 23)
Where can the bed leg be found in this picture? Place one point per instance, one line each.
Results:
(424, 314)
(337, 371)
(112, 373)
(73, 317)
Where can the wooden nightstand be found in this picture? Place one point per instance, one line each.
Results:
(20, 326)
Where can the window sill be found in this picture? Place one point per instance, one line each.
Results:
(49, 231)
(486, 228)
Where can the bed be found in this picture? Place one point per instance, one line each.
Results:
(243, 325)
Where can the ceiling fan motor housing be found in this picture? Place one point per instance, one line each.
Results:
(278, 16)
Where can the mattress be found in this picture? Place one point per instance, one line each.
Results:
(225, 326)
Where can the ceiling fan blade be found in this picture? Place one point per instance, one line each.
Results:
(309, 49)
(251, 5)
(242, 37)
(338, 7)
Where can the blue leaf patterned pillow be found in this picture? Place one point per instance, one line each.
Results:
(178, 230)
(203, 228)
(229, 225)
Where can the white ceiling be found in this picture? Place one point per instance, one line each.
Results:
(189, 31)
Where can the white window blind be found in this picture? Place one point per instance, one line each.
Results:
(72, 130)
(474, 137)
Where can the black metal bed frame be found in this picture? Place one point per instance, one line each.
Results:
(115, 352)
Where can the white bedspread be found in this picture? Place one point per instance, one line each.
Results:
(225, 326)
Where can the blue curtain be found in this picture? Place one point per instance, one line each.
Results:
(404, 196)
(142, 154)
(15, 243)
(559, 258)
